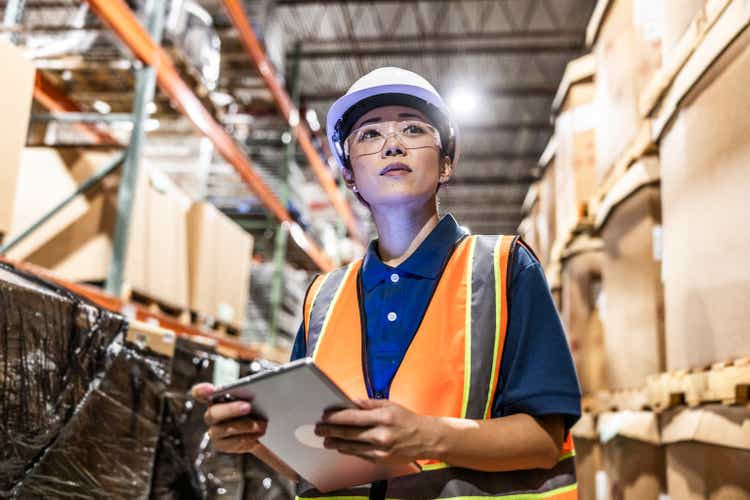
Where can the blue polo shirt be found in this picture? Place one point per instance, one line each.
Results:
(537, 375)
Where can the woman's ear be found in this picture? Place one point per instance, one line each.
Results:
(446, 169)
(348, 175)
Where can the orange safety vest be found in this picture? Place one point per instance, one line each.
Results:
(451, 367)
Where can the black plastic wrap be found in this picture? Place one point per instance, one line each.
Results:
(80, 407)
(187, 467)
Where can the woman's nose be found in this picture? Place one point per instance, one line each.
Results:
(393, 147)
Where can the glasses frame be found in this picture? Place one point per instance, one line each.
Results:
(435, 134)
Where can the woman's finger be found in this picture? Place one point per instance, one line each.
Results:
(352, 417)
(226, 411)
(201, 392)
(243, 443)
(349, 433)
(236, 428)
(348, 447)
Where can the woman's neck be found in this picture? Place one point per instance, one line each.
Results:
(402, 229)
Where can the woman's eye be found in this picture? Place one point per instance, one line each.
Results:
(368, 134)
(414, 129)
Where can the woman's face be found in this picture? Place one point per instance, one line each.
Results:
(397, 175)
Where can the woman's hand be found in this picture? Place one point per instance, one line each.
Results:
(380, 431)
(230, 428)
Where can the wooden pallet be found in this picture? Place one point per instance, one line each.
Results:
(155, 305)
(618, 400)
(727, 383)
(206, 321)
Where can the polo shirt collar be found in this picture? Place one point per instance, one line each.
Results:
(427, 261)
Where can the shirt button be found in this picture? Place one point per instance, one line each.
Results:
(392, 316)
(394, 278)
(379, 395)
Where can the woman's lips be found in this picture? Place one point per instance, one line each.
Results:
(395, 169)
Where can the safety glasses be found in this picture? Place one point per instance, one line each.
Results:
(370, 139)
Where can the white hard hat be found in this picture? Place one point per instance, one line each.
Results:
(389, 86)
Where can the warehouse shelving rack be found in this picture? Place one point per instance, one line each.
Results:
(159, 70)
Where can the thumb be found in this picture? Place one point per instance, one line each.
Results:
(371, 404)
(201, 392)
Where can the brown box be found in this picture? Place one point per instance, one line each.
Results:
(708, 453)
(546, 215)
(17, 84)
(44, 180)
(220, 258)
(625, 40)
(632, 308)
(705, 157)
(676, 17)
(588, 456)
(156, 261)
(632, 456)
(575, 158)
(581, 285)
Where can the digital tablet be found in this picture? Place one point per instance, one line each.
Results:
(293, 398)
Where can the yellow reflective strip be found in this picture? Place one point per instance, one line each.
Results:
(499, 294)
(437, 466)
(569, 454)
(467, 329)
(312, 303)
(331, 307)
(521, 496)
(333, 498)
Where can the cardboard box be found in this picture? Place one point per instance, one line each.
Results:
(17, 82)
(220, 258)
(708, 452)
(545, 215)
(705, 156)
(156, 262)
(625, 39)
(676, 17)
(632, 456)
(43, 182)
(632, 305)
(581, 285)
(588, 456)
(575, 157)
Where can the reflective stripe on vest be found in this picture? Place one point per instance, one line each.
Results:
(467, 319)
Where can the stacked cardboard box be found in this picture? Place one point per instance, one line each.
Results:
(575, 158)
(17, 82)
(77, 243)
(581, 287)
(220, 258)
(632, 455)
(705, 154)
(629, 219)
(707, 452)
(588, 456)
(625, 39)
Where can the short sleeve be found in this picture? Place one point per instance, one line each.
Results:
(299, 349)
(537, 374)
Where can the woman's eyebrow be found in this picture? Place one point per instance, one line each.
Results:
(409, 115)
(370, 120)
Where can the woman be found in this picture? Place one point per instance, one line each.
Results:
(450, 342)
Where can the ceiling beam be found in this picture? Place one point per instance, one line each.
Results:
(526, 46)
(481, 180)
(503, 90)
(531, 156)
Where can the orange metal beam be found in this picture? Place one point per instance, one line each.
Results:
(54, 99)
(260, 59)
(123, 22)
(102, 299)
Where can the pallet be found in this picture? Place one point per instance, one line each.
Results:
(206, 321)
(726, 383)
(155, 305)
(619, 400)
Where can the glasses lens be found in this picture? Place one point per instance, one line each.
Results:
(371, 138)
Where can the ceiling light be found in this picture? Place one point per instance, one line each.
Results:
(463, 101)
(102, 107)
(312, 119)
